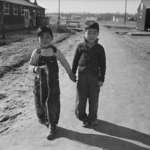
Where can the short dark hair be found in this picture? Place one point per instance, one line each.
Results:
(44, 29)
(90, 24)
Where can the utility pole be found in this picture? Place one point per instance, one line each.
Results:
(58, 13)
(125, 11)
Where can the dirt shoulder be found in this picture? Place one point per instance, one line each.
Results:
(124, 105)
(17, 52)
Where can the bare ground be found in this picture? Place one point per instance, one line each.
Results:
(124, 104)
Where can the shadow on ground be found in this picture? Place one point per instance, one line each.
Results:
(2, 96)
(107, 141)
(122, 132)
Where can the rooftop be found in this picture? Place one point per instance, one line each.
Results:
(23, 2)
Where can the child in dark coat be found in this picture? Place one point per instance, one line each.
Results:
(44, 64)
(90, 60)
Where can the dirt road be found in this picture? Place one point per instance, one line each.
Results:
(124, 105)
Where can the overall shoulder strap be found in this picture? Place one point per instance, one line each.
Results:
(54, 49)
(39, 50)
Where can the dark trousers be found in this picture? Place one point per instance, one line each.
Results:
(87, 89)
(47, 99)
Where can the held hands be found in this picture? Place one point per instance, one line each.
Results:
(100, 83)
(72, 77)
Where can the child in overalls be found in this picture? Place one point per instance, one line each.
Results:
(43, 63)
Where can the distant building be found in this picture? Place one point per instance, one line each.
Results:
(131, 19)
(63, 17)
(118, 19)
(143, 16)
(91, 18)
(18, 14)
(114, 18)
(52, 16)
(74, 17)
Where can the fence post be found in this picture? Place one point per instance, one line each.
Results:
(2, 23)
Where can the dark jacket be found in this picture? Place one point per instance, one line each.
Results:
(90, 59)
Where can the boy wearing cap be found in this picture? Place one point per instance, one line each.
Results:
(90, 60)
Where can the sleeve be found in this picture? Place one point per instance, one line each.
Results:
(76, 60)
(63, 61)
(102, 64)
(33, 61)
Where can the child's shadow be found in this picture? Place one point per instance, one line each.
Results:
(107, 142)
(122, 132)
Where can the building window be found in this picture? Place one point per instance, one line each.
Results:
(6, 8)
(42, 13)
(34, 13)
(22, 10)
(38, 12)
(15, 8)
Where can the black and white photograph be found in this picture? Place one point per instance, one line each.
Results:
(74, 74)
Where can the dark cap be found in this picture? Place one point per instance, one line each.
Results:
(44, 29)
(90, 24)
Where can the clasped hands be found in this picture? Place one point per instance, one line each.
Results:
(72, 77)
(38, 70)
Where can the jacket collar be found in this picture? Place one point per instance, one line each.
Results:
(86, 45)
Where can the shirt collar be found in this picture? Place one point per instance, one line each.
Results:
(96, 42)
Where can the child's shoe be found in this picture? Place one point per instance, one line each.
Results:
(52, 133)
(85, 124)
(94, 123)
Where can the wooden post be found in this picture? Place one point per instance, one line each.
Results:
(2, 23)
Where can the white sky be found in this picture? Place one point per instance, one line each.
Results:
(92, 6)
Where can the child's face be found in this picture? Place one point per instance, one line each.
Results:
(45, 39)
(91, 35)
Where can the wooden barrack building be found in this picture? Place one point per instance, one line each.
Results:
(143, 16)
(19, 14)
